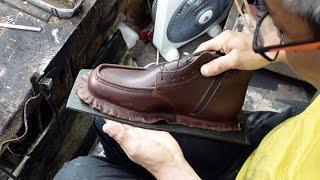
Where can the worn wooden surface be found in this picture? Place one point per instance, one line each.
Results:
(68, 45)
(88, 39)
(52, 148)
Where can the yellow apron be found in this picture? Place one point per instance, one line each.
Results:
(290, 151)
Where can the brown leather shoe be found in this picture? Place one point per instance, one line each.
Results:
(174, 91)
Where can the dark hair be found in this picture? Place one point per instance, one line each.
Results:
(308, 10)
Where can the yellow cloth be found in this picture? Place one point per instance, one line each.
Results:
(289, 151)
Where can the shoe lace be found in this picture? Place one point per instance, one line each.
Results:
(188, 57)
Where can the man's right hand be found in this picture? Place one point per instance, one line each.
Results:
(157, 151)
(239, 54)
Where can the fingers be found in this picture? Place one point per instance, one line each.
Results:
(211, 45)
(123, 133)
(220, 64)
(115, 130)
(217, 43)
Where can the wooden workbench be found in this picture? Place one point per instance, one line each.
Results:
(23, 53)
(68, 45)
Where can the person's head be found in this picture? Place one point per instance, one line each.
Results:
(299, 20)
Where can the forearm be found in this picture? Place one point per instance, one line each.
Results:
(176, 171)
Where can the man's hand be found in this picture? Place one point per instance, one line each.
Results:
(239, 54)
(156, 151)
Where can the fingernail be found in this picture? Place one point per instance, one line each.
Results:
(109, 129)
(204, 70)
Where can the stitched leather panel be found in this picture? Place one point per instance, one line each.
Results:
(183, 96)
(228, 98)
(137, 99)
(208, 95)
(184, 89)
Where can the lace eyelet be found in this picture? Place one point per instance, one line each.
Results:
(182, 77)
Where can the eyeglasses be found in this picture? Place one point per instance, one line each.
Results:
(268, 40)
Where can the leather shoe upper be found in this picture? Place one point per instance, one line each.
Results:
(175, 87)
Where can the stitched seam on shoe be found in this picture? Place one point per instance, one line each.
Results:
(188, 78)
(185, 68)
(121, 67)
(101, 80)
(177, 83)
(138, 90)
(157, 94)
(208, 96)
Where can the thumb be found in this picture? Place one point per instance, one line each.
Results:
(115, 130)
(219, 65)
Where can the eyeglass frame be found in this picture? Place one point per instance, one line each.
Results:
(299, 45)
